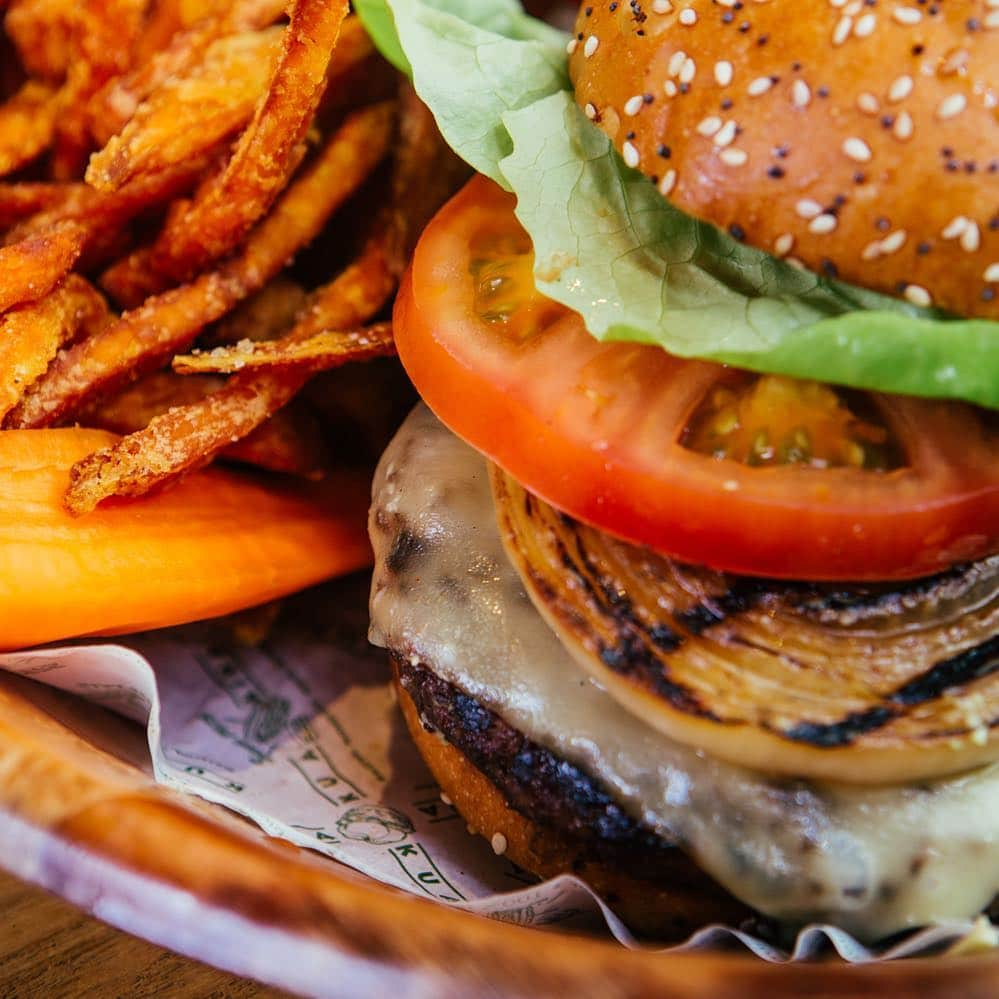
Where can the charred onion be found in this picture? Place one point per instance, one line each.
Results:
(867, 684)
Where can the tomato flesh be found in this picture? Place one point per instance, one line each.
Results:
(775, 420)
(608, 432)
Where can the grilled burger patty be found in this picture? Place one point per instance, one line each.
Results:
(552, 817)
(446, 598)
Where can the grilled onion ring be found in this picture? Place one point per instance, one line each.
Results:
(865, 684)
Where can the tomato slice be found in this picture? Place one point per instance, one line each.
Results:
(610, 433)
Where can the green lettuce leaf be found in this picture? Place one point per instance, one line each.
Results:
(498, 60)
(611, 247)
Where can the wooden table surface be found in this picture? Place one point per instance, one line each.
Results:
(48, 948)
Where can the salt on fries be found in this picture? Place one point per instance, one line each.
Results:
(161, 167)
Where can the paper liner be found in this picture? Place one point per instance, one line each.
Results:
(302, 736)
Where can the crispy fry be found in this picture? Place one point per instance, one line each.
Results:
(263, 316)
(189, 436)
(146, 337)
(136, 404)
(357, 74)
(19, 201)
(104, 40)
(425, 175)
(319, 352)
(30, 335)
(194, 231)
(113, 105)
(99, 213)
(226, 207)
(43, 33)
(354, 296)
(27, 124)
(289, 442)
(167, 18)
(152, 455)
(189, 115)
(30, 269)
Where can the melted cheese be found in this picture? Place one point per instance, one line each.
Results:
(872, 860)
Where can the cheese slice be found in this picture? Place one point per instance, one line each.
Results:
(871, 860)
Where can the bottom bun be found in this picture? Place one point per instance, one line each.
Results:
(548, 817)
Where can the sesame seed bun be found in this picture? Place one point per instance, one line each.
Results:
(860, 138)
(654, 887)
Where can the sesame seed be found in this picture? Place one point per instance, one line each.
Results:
(822, 224)
(630, 153)
(992, 273)
(801, 94)
(759, 86)
(955, 62)
(783, 244)
(992, 20)
(868, 103)
(917, 295)
(955, 227)
(668, 182)
(670, 88)
(894, 242)
(688, 16)
(498, 843)
(872, 251)
(857, 149)
(808, 208)
(633, 105)
(708, 126)
(676, 61)
(971, 238)
(723, 73)
(592, 43)
(734, 157)
(903, 126)
(951, 106)
(795, 263)
(907, 15)
(572, 45)
(725, 136)
(900, 88)
(590, 111)
(842, 30)
(866, 25)
(661, 6)
(688, 71)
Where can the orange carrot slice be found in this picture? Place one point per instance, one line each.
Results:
(217, 541)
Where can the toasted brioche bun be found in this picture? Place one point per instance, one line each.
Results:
(673, 898)
(861, 139)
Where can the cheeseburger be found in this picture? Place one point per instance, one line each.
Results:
(689, 567)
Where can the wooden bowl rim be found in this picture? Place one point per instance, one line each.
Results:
(138, 855)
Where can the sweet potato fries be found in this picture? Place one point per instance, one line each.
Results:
(173, 177)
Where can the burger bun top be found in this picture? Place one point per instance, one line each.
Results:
(857, 137)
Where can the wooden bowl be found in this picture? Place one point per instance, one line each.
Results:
(93, 827)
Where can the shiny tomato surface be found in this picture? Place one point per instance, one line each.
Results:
(620, 435)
